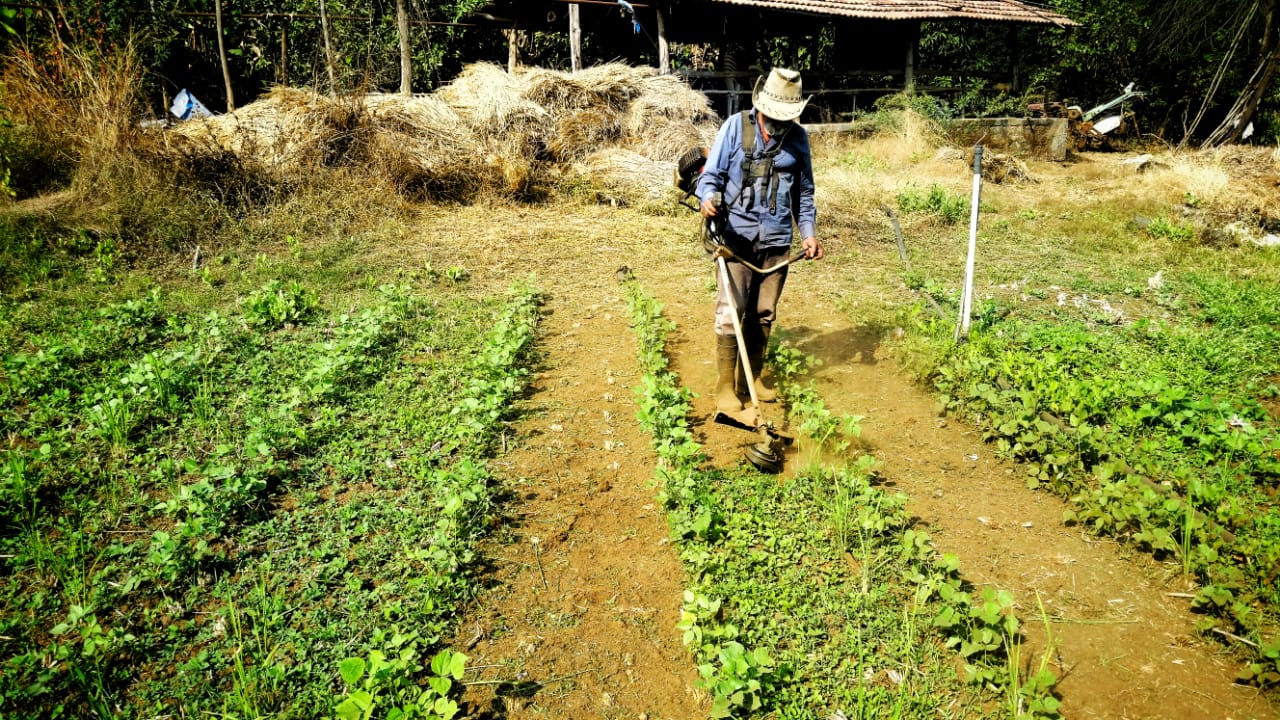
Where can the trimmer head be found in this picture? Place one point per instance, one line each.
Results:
(763, 456)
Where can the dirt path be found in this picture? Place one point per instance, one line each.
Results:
(586, 591)
(1126, 646)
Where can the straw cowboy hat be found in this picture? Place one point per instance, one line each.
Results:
(779, 96)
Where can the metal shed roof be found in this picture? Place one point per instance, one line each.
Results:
(990, 10)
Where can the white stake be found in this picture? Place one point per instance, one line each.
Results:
(966, 297)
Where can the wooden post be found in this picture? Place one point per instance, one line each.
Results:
(222, 55)
(575, 38)
(729, 65)
(284, 55)
(328, 49)
(406, 67)
(664, 52)
(909, 69)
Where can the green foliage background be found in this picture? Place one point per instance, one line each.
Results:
(1172, 50)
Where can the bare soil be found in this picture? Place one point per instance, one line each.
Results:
(579, 620)
(587, 591)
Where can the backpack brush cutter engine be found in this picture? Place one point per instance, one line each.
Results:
(765, 454)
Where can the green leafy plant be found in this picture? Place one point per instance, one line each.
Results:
(951, 209)
(736, 680)
(457, 274)
(766, 636)
(1159, 444)
(385, 685)
(1265, 670)
(276, 304)
(1162, 227)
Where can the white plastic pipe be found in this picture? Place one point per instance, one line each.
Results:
(966, 296)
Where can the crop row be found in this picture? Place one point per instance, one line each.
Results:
(207, 513)
(1141, 428)
(815, 596)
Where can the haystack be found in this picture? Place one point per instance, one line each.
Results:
(486, 130)
(421, 141)
(629, 173)
(1000, 168)
(285, 130)
(668, 118)
(581, 132)
(491, 102)
(612, 86)
(489, 98)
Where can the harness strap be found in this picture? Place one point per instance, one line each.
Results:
(755, 169)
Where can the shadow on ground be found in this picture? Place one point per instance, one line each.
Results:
(834, 348)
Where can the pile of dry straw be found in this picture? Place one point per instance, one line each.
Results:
(488, 130)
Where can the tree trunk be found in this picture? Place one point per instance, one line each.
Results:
(1246, 106)
(328, 49)
(406, 67)
(513, 49)
(222, 55)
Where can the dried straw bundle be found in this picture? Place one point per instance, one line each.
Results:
(668, 118)
(580, 132)
(668, 97)
(487, 130)
(490, 99)
(1000, 168)
(630, 173)
(420, 142)
(612, 86)
(288, 129)
(491, 102)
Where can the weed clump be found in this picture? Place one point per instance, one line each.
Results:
(949, 208)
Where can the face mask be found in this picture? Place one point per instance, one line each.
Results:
(774, 127)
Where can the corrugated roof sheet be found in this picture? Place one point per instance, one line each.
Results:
(997, 10)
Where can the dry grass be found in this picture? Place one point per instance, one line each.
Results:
(80, 99)
(81, 102)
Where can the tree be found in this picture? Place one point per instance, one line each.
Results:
(1241, 114)
(406, 64)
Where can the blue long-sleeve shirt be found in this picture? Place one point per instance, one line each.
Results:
(749, 214)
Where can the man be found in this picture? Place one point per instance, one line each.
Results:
(761, 169)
